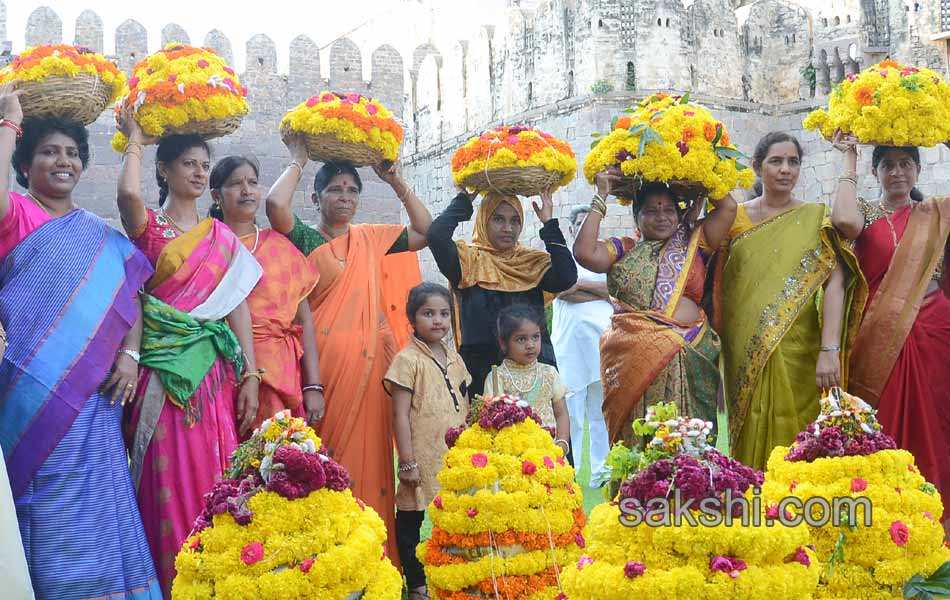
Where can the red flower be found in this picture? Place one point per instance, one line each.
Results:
(579, 540)
(858, 485)
(203, 63)
(252, 553)
(911, 468)
(548, 462)
(437, 502)
(898, 490)
(561, 596)
(899, 533)
(195, 544)
(634, 569)
(328, 97)
(244, 91)
(570, 488)
(528, 468)
(479, 460)
(801, 556)
(683, 147)
(792, 487)
(472, 512)
(133, 82)
(306, 564)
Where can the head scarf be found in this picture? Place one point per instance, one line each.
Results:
(517, 269)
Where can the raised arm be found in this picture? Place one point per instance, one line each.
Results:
(129, 195)
(588, 250)
(563, 272)
(9, 111)
(439, 236)
(845, 215)
(419, 217)
(717, 224)
(279, 204)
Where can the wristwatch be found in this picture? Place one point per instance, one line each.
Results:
(131, 354)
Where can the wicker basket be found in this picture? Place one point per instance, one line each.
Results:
(81, 98)
(513, 181)
(326, 147)
(683, 189)
(210, 129)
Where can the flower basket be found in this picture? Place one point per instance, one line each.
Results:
(509, 516)
(844, 454)
(65, 81)
(667, 139)
(285, 524)
(515, 160)
(345, 128)
(182, 89)
(626, 559)
(889, 104)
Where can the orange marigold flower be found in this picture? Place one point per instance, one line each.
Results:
(709, 131)
(688, 133)
(892, 64)
(623, 123)
(724, 140)
(864, 96)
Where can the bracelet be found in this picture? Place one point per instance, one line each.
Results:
(294, 163)
(406, 467)
(853, 180)
(599, 204)
(17, 131)
(567, 445)
(831, 349)
(131, 354)
(316, 387)
(258, 374)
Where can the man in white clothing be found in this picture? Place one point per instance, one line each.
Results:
(581, 314)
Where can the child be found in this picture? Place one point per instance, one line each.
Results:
(428, 383)
(520, 374)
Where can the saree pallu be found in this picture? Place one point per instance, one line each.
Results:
(900, 359)
(205, 273)
(769, 295)
(647, 356)
(67, 297)
(356, 347)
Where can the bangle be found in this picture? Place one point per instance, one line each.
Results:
(294, 163)
(853, 180)
(567, 445)
(131, 354)
(316, 387)
(831, 349)
(17, 131)
(258, 374)
(406, 467)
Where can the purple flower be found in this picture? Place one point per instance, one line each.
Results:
(633, 569)
(452, 435)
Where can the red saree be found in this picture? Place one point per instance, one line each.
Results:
(899, 362)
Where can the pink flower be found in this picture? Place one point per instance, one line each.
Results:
(579, 540)
(548, 462)
(570, 488)
(306, 564)
(852, 77)
(437, 502)
(312, 101)
(230, 71)
(244, 91)
(560, 461)
(911, 468)
(561, 596)
(884, 73)
(801, 557)
(512, 139)
(528, 468)
(479, 460)
(927, 515)
(548, 488)
(203, 63)
(252, 553)
(583, 562)
(133, 82)
(195, 544)
(172, 77)
(792, 487)
(688, 113)
(327, 97)
(361, 504)
(727, 564)
(372, 109)
(472, 512)
(899, 533)
(858, 485)
(771, 512)
(149, 71)
(634, 569)
(485, 137)
(353, 98)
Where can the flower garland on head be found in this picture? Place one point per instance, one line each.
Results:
(666, 139)
(844, 454)
(509, 517)
(351, 118)
(284, 524)
(626, 559)
(514, 146)
(181, 84)
(64, 60)
(888, 104)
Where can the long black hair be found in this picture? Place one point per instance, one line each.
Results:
(912, 151)
(35, 130)
(220, 173)
(170, 148)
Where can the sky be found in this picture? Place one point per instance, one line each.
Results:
(282, 20)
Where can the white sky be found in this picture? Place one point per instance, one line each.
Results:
(282, 20)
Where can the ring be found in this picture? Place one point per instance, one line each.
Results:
(129, 385)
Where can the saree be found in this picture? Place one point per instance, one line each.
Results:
(356, 347)
(287, 279)
(647, 356)
(67, 298)
(769, 293)
(179, 450)
(899, 362)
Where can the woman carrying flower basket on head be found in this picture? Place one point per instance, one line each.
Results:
(199, 379)
(495, 271)
(349, 314)
(788, 302)
(660, 347)
(68, 300)
(284, 342)
(899, 363)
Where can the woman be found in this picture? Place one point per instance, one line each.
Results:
(495, 271)
(68, 285)
(194, 367)
(349, 315)
(284, 343)
(788, 303)
(899, 362)
(659, 347)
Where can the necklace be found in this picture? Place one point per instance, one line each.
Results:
(887, 217)
(174, 224)
(510, 376)
(39, 203)
(329, 240)
(257, 237)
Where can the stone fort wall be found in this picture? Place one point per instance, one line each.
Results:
(759, 66)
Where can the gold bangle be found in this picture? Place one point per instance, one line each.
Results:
(258, 374)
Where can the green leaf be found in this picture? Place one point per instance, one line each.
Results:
(685, 98)
(635, 129)
(725, 152)
(648, 137)
(656, 116)
(630, 111)
(613, 123)
(594, 144)
(718, 137)
(942, 572)
(596, 134)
